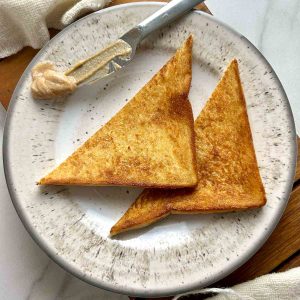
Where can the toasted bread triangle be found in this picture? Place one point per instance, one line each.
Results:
(228, 174)
(149, 143)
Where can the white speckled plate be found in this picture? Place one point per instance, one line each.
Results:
(72, 223)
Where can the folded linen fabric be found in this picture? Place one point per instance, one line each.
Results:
(26, 22)
(275, 286)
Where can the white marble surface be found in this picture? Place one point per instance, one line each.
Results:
(27, 273)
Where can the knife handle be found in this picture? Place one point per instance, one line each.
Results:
(166, 15)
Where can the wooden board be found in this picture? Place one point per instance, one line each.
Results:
(297, 175)
(280, 252)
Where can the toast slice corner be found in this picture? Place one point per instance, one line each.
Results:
(150, 142)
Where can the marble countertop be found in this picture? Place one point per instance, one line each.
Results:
(27, 273)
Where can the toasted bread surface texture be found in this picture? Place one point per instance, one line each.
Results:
(228, 173)
(149, 143)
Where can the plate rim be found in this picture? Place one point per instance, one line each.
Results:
(128, 290)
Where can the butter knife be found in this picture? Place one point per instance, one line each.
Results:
(164, 16)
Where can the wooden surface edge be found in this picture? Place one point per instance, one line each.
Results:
(291, 262)
(297, 175)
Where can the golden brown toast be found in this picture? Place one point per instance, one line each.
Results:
(149, 143)
(228, 174)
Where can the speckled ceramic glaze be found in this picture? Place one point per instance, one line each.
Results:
(72, 223)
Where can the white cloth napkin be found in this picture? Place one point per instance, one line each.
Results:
(276, 286)
(26, 22)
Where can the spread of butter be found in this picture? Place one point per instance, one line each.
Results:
(49, 83)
